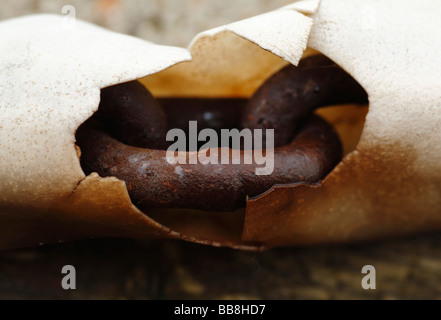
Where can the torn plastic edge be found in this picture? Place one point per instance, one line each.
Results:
(303, 8)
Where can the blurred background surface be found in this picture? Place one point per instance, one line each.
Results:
(169, 22)
(125, 269)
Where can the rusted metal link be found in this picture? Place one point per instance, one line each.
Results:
(126, 136)
(295, 92)
(133, 116)
(153, 182)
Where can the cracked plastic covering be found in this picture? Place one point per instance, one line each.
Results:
(49, 85)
